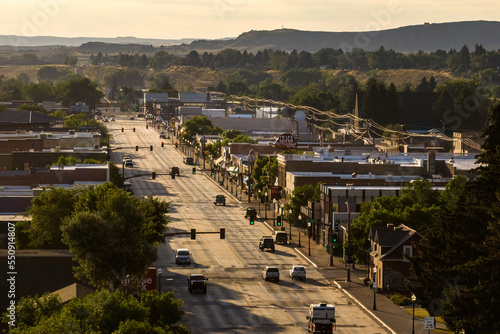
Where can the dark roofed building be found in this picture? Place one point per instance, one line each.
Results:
(27, 120)
(391, 248)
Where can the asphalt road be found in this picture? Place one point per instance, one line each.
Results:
(238, 299)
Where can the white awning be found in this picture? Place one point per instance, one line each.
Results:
(233, 169)
(219, 160)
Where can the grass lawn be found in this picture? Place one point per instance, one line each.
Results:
(421, 313)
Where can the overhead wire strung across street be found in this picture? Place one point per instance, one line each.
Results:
(358, 132)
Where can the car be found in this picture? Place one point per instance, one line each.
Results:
(163, 136)
(271, 273)
(266, 242)
(182, 255)
(127, 185)
(220, 199)
(175, 171)
(250, 211)
(281, 237)
(112, 119)
(131, 117)
(129, 163)
(197, 282)
(106, 120)
(188, 160)
(298, 272)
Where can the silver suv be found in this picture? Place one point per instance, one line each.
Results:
(271, 273)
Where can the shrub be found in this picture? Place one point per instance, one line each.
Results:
(400, 300)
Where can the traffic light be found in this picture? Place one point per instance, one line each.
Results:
(151, 147)
(194, 170)
(223, 233)
(176, 145)
(193, 234)
(278, 221)
(336, 226)
(153, 175)
(335, 237)
(213, 171)
(146, 126)
(133, 129)
(161, 144)
(137, 148)
(250, 183)
(252, 220)
(122, 129)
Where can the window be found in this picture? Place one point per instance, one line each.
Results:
(407, 251)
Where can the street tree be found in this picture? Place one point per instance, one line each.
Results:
(102, 312)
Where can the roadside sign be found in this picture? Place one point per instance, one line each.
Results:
(375, 285)
(430, 323)
(312, 221)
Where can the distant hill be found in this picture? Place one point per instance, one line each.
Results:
(425, 37)
(31, 41)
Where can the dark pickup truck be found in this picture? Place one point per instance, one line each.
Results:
(266, 242)
(220, 199)
(197, 282)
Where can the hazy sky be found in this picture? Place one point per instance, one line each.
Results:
(211, 19)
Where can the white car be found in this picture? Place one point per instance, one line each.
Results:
(271, 273)
(182, 255)
(298, 272)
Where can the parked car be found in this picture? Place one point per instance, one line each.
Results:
(182, 255)
(281, 237)
(266, 242)
(188, 160)
(197, 282)
(250, 211)
(163, 136)
(271, 273)
(131, 117)
(298, 272)
(220, 199)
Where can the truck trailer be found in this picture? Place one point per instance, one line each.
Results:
(321, 318)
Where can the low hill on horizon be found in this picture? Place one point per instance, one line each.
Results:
(426, 37)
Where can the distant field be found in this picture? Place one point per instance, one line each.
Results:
(187, 77)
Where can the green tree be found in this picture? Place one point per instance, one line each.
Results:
(71, 60)
(101, 312)
(49, 73)
(48, 211)
(456, 263)
(78, 90)
(264, 173)
(201, 125)
(110, 235)
(299, 197)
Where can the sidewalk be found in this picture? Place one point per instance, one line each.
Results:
(389, 315)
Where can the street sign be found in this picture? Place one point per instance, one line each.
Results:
(312, 221)
(286, 141)
(430, 323)
(375, 285)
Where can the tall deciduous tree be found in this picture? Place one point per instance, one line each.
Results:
(456, 269)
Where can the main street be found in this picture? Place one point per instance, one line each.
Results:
(238, 299)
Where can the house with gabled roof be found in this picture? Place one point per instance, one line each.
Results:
(390, 249)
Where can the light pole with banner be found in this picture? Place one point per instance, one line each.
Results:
(251, 160)
(413, 300)
(375, 286)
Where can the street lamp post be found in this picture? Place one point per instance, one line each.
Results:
(413, 300)
(274, 209)
(375, 288)
(348, 244)
(159, 280)
(265, 206)
(309, 232)
(290, 222)
(300, 218)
